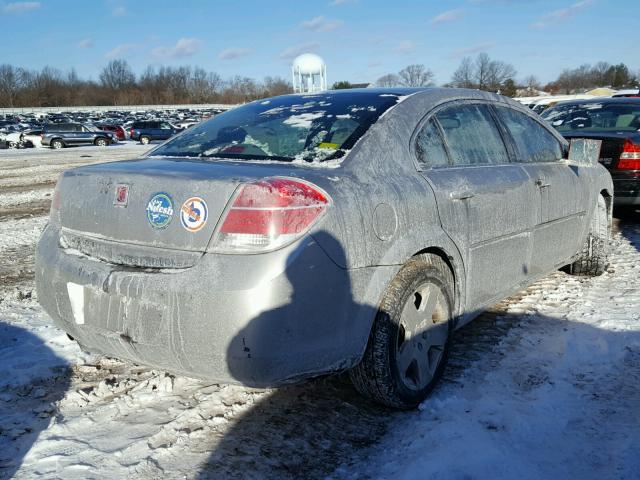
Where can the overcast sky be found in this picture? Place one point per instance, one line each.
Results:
(360, 40)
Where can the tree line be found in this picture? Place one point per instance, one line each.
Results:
(484, 73)
(118, 85)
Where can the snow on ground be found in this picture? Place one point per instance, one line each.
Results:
(559, 397)
(543, 385)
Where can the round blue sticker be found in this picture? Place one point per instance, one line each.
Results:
(160, 210)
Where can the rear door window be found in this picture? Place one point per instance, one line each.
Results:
(429, 147)
(472, 135)
(533, 142)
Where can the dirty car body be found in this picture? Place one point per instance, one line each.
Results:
(165, 260)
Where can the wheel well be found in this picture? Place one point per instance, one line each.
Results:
(608, 199)
(449, 261)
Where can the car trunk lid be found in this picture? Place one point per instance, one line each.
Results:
(150, 212)
(613, 145)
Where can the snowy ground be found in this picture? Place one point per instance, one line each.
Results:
(543, 385)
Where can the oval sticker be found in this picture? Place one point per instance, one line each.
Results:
(160, 210)
(193, 214)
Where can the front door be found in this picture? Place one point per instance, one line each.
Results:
(559, 190)
(484, 202)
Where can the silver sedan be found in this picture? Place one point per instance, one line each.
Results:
(309, 234)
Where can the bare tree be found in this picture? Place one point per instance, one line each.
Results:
(532, 83)
(10, 83)
(416, 76)
(463, 77)
(117, 76)
(483, 73)
(276, 86)
(388, 80)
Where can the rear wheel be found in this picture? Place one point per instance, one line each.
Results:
(145, 140)
(12, 145)
(593, 259)
(101, 142)
(409, 341)
(57, 144)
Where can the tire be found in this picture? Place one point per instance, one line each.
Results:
(101, 142)
(405, 356)
(57, 144)
(593, 259)
(12, 145)
(145, 140)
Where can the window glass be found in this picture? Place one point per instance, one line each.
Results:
(318, 127)
(472, 136)
(429, 147)
(165, 125)
(594, 117)
(533, 142)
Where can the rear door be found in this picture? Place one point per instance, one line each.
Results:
(85, 136)
(561, 190)
(155, 130)
(484, 201)
(166, 130)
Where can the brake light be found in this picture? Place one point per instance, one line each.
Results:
(269, 214)
(630, 156)
(131, 133)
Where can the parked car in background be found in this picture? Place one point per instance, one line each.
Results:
(33, 136)
(615, 121)
(148, 131)
(629, 92)
(117, 129)
(345, 230)
(60, 135)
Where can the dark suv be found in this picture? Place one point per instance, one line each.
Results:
(152, 130)
(60, 135)
(615, 121)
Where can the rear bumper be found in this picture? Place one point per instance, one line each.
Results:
(260, 320)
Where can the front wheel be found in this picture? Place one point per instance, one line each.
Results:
(101, 142)
(594, 257)
(410, 338)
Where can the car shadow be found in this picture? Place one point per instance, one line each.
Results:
(321, 428)
(627, 221)
(33, 380)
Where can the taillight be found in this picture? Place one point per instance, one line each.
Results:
(630, 156)
(131, 132)
(269, 214)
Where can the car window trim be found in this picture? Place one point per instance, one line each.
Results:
(545, 127)
(431, 114)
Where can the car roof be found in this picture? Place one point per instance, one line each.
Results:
(373, 92)
(606, 100)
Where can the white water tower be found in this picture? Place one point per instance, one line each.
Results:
(309, 73)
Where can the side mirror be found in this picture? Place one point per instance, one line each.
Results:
(584, 151)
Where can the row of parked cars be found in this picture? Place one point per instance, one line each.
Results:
(60, 130)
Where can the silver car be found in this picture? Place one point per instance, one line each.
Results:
(308, 234)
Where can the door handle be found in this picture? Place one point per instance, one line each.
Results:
(541, 183)
(461, 195)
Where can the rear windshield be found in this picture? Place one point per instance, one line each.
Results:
(594, 117)
(311, 128)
